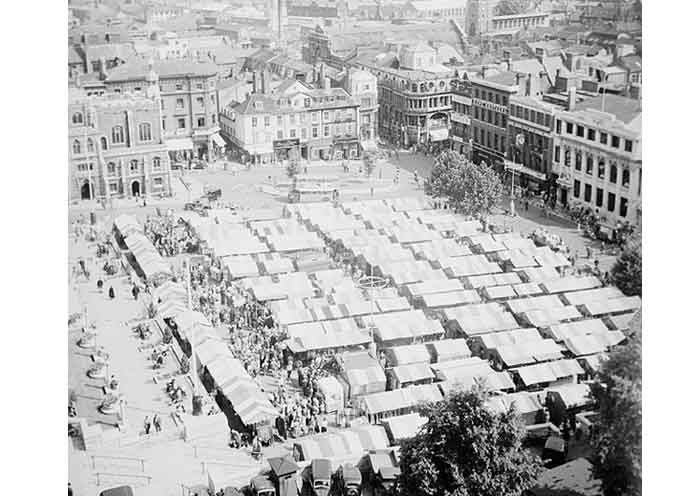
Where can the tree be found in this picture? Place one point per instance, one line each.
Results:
(465, 448)
(472, 189)
(617, 438)
(627, 272)
(512, 7)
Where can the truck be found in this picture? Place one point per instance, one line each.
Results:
(262, 485)
(348, 480)
(321, 476)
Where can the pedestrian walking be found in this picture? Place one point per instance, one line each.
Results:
(135, 291)
(112, 293)
(157, 422)
(100, 285)
(526, 205)
(147, 425)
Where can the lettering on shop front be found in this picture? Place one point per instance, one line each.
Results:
(488, 105)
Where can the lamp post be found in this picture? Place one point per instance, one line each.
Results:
(369, 283)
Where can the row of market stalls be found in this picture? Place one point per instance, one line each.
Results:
(143, 255)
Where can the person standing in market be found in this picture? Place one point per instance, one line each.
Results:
(147, 425)
(157, 423)
(135, 291)
(112, 293)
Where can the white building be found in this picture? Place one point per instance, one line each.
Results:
(598, 159)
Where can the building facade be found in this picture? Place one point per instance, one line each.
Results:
(116, 148)
(293, 121)
(597, 158)
(362, 86)
(188, 100)
(462, 136)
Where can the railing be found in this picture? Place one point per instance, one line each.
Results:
(109, 457)
(148, 478)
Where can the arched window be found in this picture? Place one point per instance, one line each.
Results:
(145, 132)
(566, 158)
(578, 161)
(117, 135)
(111, 168)
(156, 163)
(600, 169)
(90, 145)
(625, 177)
(103, 142)
(613, 172)
(76, 148)
(77, 118)
(134, 166)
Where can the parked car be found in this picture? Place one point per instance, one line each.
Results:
(321, 476)
(348, 480)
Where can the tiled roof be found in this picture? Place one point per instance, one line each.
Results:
(625, 109)
(136, 70)
(633, 63)
(74, 55)
(110, 51)
(269, 103)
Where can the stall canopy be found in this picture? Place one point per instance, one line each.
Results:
(400, 399)
(497, 339)
(550, 316)
(411, 324)
(560, 332)
(403, 427)
(326, 335)
(612, 306)
(534, 303)
(241, 266)
(470, 320)
(539, 274)
(516, 259)
(392, 304)
(127, 225)
(449, 349)
(404, 355)
(471, 265)
(451, 299)
(485, 243)
(498, 292)
(170, 290)
(572, 395)
(522, 401)
(432, 287)
(527, 289)
(463, 374)
(363, 373)
(439, 249)
(593, 343)
(581, 297)
(549, 372)
(147, 257)
(413, 372)
(565, 284)
(505, 278)
(348, 445)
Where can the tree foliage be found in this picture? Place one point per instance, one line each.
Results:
(512, 7)
(467, 449)
(472, 189)
(627, 272)
(617, 440)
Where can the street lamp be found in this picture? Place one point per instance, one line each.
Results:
(369, 283)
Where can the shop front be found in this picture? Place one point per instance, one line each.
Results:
(564, 181)
(286, 149)
(345, 147)
(180, 151)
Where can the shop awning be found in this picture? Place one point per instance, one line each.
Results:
(217, 139)
(174, 145)
(439, 134)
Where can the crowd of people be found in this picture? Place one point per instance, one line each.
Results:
(169, 236)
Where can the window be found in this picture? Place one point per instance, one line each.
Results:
(599, 200)
(578, 161)
(111, 168)
(138, 88)
(113, 187)
(566, 158)
(589, 165)
(280, 120)
(76, 147)
(315, 116)
(558, 126)
(199, 86)
(201, 122)
(253, 122)
(179, 103)
(591, 134)
(266, 121)
(600, 169)
(212, 99)
(307, 102)
(603, 138)
(628, 145)
(77, 118)
(103, 142)
(613, 173)
(326, 131)
(156, 163)
(623, 207)
(133, 166)
(164, 125)
(576, 189)
(157, 182)
(615, 140)
(476, 113)
(580, 131)
(326, 116)
(179, 87)
(495, 141)
(200, 101)
(292, 119)
(569, 127)
(315, 132)
(213, 118)
(145, 132)
(547, 120)
(279, 134)
(625, 177)
(303, 117)
(293, 133)
(588, 193)
(611, 202)
(117, 134)
(304, 133)
(557, 154)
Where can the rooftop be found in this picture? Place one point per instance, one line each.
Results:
(136, 70)
(570, 479)
(627, 110)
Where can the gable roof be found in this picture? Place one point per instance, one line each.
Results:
(138, 69)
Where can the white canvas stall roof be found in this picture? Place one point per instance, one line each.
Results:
(546, 349)
(449, 349)
(404, 355)
(523, 402)
(358, 207)
(367, 379)
(346, 295)
(385, 222)
(335, 222)
(450, 299)
(620, 322)
(400, 399)
(408, 203)
(578, 298)
(469, 228)
(570, 284)
(127, 225)
(539, 274)
(534, 303)
(354, 308)
(348, 445)
(438, 249)
(515, 336)
(480, 318)
(432, 287)
(593, 343)
(546, 256)
(241, 266)
(412, 372)
(345, 285)
(566, 368)
(211, 350)
(329, 277)
(485, 243)
(392, 304)
(517, 259)
(289, 316)
(407, 324)
(304, 329)
(329, 340)
(471, 265)
(264, 228)
(295, 242)
(377, 255)
(611, 306)
(560, 332)
(572, 395)
(498, 292)
(594, 362)
(412, 234)
(171, 308)
(550, 316)
(282, 266)
(464, 379)
(411, 271)
(404, 426)
(527, 289)
(170, 290)
(536, 374)
(516, 242)
(225, 369)
(329, 385)
(503, 279)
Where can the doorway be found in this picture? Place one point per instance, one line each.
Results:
(135, 188)
(564, 196)
(86, 191)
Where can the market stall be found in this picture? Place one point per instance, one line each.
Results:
(240, 266)
(363, 373)
(348, 445)
(488, 280)
(431, 304)
(409, 375)
(481, 344)
(560, 332)
(549, 316)
(403, 427)
(399, 401)
(534, 303)
(612, 306)
(469, 320)
(578, 298)
(566, 284)
(404, 355)
(403, 327)
(471, 265)
(446, 350)
(333, 393)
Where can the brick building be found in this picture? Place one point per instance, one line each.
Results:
(116, 147)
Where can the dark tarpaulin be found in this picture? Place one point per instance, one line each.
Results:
(117, 491)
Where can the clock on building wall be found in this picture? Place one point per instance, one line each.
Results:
(519, 139)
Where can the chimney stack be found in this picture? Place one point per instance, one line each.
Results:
(484, 70)
(528, 85)
(572, 97)
(518, 78)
